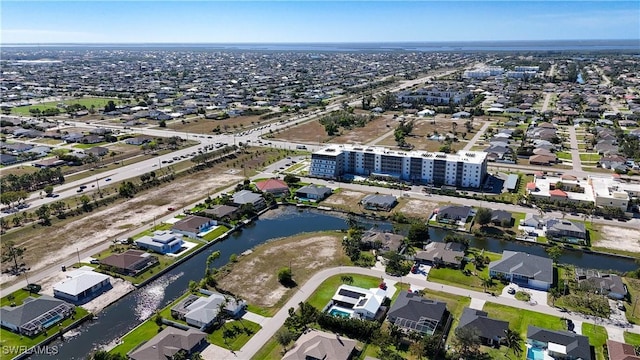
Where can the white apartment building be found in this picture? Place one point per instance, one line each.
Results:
(464, 169)
(483, 72)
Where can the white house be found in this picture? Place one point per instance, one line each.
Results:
(81, 284)
(362, 303)
(163, 242)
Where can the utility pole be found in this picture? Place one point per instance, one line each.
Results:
(78, 253)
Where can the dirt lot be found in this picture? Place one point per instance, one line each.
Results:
(415, 207)
(309, 132)
(423, 128)
(373, 130)
(308, 254)
(619, 238)
(53, 243)
(344, 198)
(206, 126)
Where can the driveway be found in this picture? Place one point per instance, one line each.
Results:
(538, 297)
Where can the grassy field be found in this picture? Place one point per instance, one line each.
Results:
(632, 338)
(320, 298)
(233, 334)
(206, 126)
(633, 286)
(98, 102)
(142, 333)
(519, 319)
(215, 233)
(18, 297)
(89, 146)
(9, 339)
(272, 350)
(597, 338)
(469, 277)
(563, 155)
(593, 157)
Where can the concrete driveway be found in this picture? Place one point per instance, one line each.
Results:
(538, 297)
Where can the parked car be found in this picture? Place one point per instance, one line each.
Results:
(511, 291)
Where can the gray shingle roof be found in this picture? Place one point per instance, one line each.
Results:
(487, 327)
(414, 307)
(577, 345)
(531, 266)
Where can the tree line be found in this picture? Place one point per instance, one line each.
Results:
(32, 181)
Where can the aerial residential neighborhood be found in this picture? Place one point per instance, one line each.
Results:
(316, 200)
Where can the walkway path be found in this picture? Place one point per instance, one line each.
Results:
(476, 136)
(272, 325)
(575, 153)
(545, 104)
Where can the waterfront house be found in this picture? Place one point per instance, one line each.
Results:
(193, 225)
(565, 230)
(382, 241)
(453, 214)
(203, 312)
(168, 343)
(130, 262)
(162, 241)
(379, 202)
(273, 186)
(221, 211)
(313, 192)
(81, 285)
(605, 284)
(35, 315)
(248, 197)
(442, 254)
(524, 269)
(498, 217)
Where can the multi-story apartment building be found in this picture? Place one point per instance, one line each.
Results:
(436, 96)
(464, 169)
(483, 72)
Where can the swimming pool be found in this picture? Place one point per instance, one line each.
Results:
(535, 354)
(339, 312)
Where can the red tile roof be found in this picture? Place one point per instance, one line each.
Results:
(558, 192)
(272, 184)
(531, 186)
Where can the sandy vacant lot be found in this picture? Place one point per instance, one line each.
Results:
(417, 208)
(619, 238)
(344, 197)
(57, 242)
(254, 278)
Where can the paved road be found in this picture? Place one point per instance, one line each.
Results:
(547, 99)
(477, 136)
(272, 325)
(575, 154)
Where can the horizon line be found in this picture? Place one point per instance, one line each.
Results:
(313, 42)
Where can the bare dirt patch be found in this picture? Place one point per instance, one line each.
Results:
(427, 127)
(375, 128)
(206, 126)
(619, 238)
(416, 208)
(344, 197)
(308, 132)
(58, 241)
(305, 253)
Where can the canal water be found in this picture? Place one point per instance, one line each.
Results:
(122, 316)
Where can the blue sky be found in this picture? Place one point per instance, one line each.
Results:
(315, 21)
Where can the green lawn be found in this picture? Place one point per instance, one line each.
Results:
(162, 226)
(590, 157)
(597, 338)
(166, 312)
(471, 279)
(517, 216)
(520, 319)
(320, 298)
(258, 310)
(633, 286)
(563, 155)
(270, 351)
(234, 334)
(18, 297)
(632, 338)
(137, 336)
(215, 233)
(9, 339)
(98, 102)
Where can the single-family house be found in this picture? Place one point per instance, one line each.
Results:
(48, 163)
(203, 311)
(453, 214)
(442, 254)
(162, 241)
(168, 343)
(320, 345)
(313, 192)
(273, 186)
(193, 225)
(565, 230)
(382, 241)
(490, 331)
(221, 211)
(605, 284)
(544, 344)
(358, 302)
(534, 221)
(499, 217)
(524, 269)
(542, 159)
(248, 197)
(6, 159)
(412, 312)
(97, 151)
(621, 351)
(35, 315)
(130, 262)
(138, 140)
(379, 202)
(81, 284)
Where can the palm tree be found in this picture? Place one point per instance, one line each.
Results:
(514, 341)
(486, 282)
